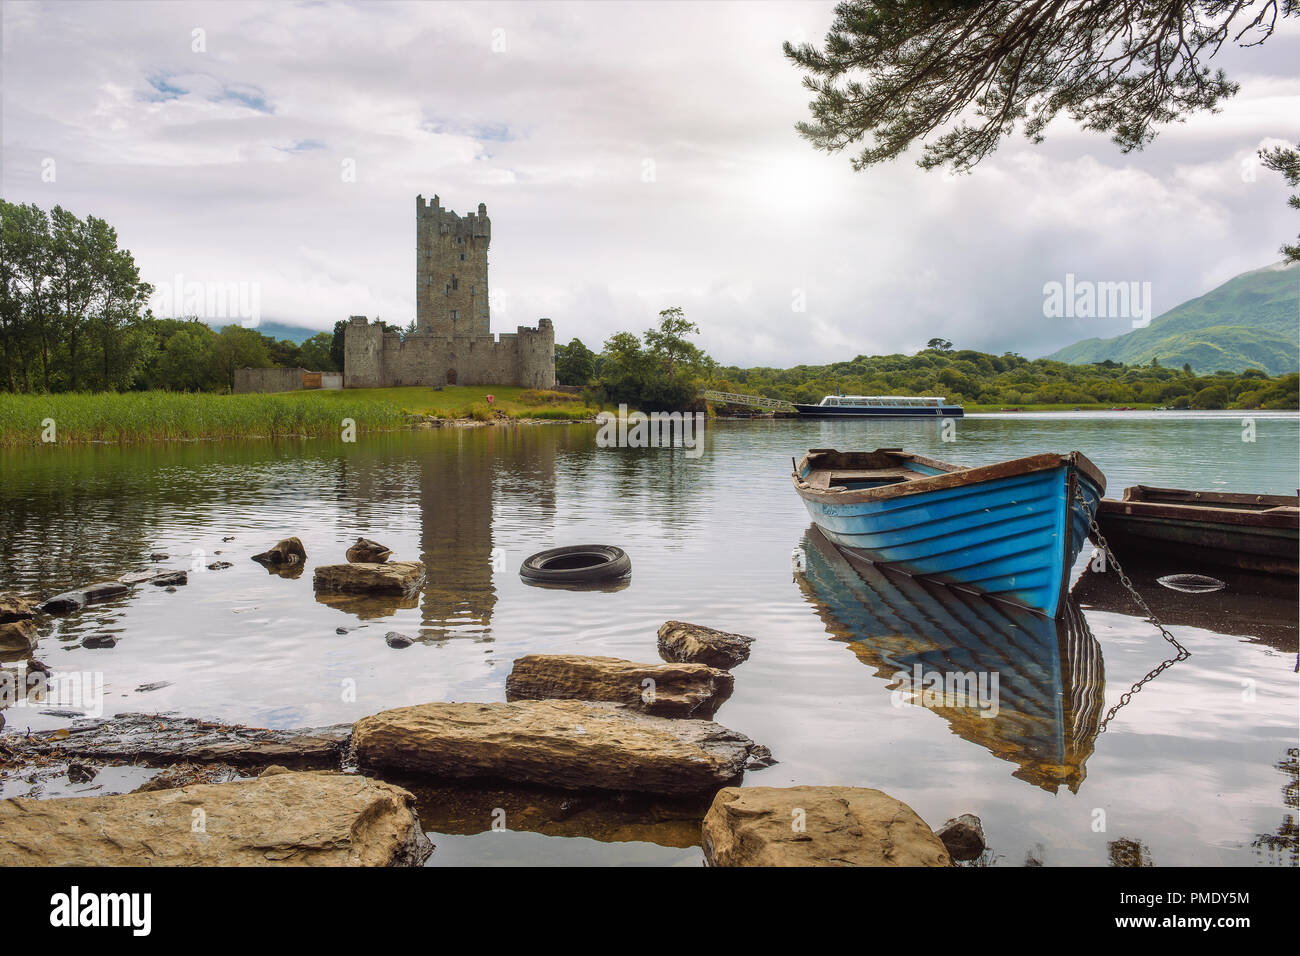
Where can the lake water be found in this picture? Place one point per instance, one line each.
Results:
(1198, 768)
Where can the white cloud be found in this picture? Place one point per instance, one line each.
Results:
(227, 166)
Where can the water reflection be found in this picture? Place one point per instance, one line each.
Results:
(1039, 685)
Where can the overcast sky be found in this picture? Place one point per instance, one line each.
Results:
(633, 156)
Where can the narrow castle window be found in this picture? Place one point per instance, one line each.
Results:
(462, 257)
(454, 315)
(455, 283)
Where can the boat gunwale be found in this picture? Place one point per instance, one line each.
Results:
(954, 476)
(1281, 517)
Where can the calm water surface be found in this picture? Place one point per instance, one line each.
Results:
(1198, 768)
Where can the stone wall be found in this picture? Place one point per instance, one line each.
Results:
(268, 379)
(375, 357)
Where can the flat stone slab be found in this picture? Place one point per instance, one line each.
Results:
(76, 600)
(161, 740)
(668, 690)
(695, 643)
(572, 745)
(816, 826)
(283, 819)
(370, 577)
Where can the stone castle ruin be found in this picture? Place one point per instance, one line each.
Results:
(452, 343)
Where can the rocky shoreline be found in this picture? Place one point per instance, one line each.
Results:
(594, 732)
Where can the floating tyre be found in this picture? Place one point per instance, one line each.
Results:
(1191, 583)
(577, 564)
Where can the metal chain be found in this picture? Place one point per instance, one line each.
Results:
(1183, 653)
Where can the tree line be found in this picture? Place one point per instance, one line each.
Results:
(664, 371)
(74, 316)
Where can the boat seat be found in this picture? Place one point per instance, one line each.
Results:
(828, 478)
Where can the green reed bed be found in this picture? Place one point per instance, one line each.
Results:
(155, 416)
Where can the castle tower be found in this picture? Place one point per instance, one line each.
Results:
(451, 270)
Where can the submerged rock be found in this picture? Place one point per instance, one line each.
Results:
(367, 551)
(153, 739)
(139, 577)
(396, 639)
(760, 758)
(18, 636)
(219, 565)
(694, 643)
(76, 600)
(669, 690)
(963, 836)
(189, 774)
(99, 641)
(294, 819)
(400, 577)
(572, 745)
(14, 608)
(82, 772)
(816, 826)
(170, 579)
(286, 553)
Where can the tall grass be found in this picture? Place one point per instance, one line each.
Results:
(153, 416)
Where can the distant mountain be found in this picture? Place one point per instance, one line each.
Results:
(1251, 321)
(278, 330)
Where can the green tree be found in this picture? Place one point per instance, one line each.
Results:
(575, 364)
(236, 347)
(28, 250)
(1286, 160)
(185, 362)
(316, 353)
(336, 344)
(958, 77)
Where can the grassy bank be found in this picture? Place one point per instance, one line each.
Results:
(470, 401)
(157, 416)
(153, 416)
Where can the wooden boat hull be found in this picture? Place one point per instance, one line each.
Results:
(1051, 675)
(1190, 529)
(1010, 531)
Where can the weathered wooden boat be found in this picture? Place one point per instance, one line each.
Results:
(1010, 530)
(1190, 528)
(1050, 691)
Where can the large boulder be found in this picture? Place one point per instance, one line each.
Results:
(288, 552)
(694, 643)
(669, 690)
(816, 826)
(572, 745)
(367, 551)
(285, 819)
(399, 577)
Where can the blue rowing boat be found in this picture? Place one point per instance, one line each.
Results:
(1010, 531)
